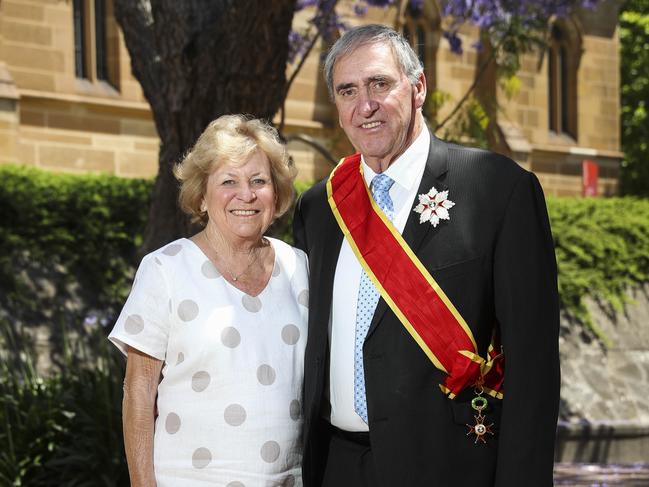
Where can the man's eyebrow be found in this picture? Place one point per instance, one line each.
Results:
(344, 86)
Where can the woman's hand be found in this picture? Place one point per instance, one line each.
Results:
(138, 415)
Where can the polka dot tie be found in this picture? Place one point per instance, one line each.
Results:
(368, 296)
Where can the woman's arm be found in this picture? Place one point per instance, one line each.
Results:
(138, 415)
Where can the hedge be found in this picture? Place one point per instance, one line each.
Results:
(85, 230)
(602, 249)
(89, 227)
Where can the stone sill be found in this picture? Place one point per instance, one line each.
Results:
(86, 100)
(602, 429)
(301, 123)
(577, 151)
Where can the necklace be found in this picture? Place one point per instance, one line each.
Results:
(233, 276)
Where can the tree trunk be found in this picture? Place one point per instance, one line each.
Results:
(197, 60)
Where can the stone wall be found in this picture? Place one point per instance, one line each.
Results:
(77, 135)
(604, 409)
(64, 123)
(58, 121)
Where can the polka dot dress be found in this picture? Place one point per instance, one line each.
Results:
(229, 411)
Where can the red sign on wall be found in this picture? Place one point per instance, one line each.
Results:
(590, 172)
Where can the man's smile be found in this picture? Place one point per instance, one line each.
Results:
(371, 125)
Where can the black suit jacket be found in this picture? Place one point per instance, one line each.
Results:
(495, 261)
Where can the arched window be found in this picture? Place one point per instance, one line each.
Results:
(422, 29)
(563, 62)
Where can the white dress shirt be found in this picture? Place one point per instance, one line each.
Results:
(406, 171)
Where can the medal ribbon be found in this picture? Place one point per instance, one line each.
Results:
(408, 288)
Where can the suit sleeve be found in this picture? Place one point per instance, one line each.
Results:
(527, 309)
(299, 233)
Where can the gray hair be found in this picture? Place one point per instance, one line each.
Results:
(407, 60)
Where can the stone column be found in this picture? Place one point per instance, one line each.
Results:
(9, 117)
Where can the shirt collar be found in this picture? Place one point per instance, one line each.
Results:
(406, 170)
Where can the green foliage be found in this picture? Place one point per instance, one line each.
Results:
(602, 248)
(90, 226)
(63, 429)
(283, 227)
(641, 6)
(634, 40)
(469, 126)
(68, 243)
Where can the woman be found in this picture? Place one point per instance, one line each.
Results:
(215, 326)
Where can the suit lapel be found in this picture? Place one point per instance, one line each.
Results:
(415, 233)
(331, 250)
(323, 279)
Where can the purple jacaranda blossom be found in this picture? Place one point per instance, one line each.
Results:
(296, 45)
(302, 4)
(416, 6)
(96, 317)
(379, 3)
(360, 9)
(454, 41)
(90, 320)
(494, 17)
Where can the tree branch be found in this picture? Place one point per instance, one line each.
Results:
(294, 74)
(476, 81)
(310, 141)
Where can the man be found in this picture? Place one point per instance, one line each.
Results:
(408, 389)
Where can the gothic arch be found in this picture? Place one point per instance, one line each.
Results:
(562, 66)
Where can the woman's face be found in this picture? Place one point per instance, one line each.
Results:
(240, 199)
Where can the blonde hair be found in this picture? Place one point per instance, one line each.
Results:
(233, 139)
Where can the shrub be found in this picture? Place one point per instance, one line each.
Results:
(84, 229)
(602, 248)
(64, 429)
(82, 234)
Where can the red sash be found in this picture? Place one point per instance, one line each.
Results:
(408, 288)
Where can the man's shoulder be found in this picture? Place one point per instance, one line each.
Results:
(315, 194)
(483, 163)
(477, 154)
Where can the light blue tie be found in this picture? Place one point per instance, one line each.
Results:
(368, 296)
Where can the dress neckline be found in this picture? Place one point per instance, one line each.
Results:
(227, 282)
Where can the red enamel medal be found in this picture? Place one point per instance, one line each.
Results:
(479, 429)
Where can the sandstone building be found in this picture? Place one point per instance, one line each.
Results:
(68, 101)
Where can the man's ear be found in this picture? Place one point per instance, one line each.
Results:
(420, 91)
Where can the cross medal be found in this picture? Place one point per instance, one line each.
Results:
(479, 429)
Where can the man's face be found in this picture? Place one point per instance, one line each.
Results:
(377, 105)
